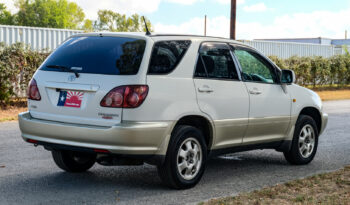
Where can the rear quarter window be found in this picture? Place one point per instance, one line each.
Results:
(166, 55)
(99, 55)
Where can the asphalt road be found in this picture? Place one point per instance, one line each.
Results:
(29, 176)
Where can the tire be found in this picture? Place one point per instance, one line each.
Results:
(302, 151)
(185, 141)
(73, 161)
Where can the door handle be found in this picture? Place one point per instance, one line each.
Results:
(255, 92)
(205, 89)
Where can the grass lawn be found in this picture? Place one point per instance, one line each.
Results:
(10, 112)
(328, 188)
(334, 94)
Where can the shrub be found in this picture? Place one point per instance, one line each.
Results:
(302, 68)
(17, 65)
(318, 71)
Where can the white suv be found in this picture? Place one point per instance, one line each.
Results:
(167, 100)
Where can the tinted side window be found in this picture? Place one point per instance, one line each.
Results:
(254, 67)
(215, 61)
(166, 55)
(200, 70)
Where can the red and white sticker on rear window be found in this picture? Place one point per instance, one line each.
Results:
(70, 98)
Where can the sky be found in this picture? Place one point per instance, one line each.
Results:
(256, 19)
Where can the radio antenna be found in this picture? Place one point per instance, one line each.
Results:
(147, 31)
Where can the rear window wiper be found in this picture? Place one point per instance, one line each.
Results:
(64, 68)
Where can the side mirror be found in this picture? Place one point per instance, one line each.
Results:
(287, 77)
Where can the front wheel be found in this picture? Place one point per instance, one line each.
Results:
(305, 141)
(186, 158)
(73, 161)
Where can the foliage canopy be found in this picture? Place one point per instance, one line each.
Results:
(5, 16)
(115, 22)
(68, 15)
(49, 13)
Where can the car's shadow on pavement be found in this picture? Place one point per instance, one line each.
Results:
(146, 177)
(138, 183)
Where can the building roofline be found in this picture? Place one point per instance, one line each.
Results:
(41, 28)
(341, 39)
(294, 38)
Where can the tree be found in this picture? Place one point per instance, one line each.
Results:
(113, 21)
(5, 16)
(88, 25)
(49, 13)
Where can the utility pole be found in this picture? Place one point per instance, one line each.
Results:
(233, 20)
(205, 25)
(346, 34)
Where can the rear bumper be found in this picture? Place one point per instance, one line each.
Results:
(132, 138)
(324, 122)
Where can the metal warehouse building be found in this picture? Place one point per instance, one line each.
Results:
(37, 38)
(319, 40)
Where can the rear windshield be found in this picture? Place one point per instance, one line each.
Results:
(99, 55)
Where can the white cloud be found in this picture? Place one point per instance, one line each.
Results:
(298, 25)
(259, 7)
(10, 6)
(90, 8)
(184, 2)
(315, 24)
(229, 1)
(217, 26)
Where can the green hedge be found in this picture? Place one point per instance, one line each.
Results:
(18, 63)
(318, 71)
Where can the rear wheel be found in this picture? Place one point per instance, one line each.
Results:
(186, 158)
(73, 161)
(305, 141)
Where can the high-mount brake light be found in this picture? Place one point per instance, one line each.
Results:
(33, 91)
(126, 96)
(32, 141)
(101, 151)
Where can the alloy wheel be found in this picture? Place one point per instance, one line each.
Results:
(306, 141)
(189, 158)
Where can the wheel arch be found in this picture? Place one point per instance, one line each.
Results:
(200, 122)
(315, 114)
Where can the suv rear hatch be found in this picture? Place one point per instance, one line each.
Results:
(74, 79)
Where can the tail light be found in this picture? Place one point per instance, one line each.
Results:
(33, 91)
(127, 96)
